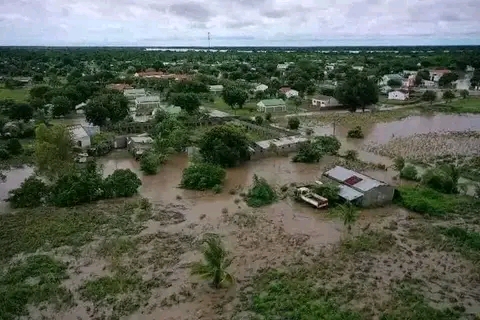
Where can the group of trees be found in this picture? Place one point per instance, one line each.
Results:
(313, 150)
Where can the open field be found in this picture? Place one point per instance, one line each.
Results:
(469, 105)
(249, 109)
(19, 95)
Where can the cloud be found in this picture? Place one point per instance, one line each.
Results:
(236, 22)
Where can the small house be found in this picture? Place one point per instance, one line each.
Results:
(82, 135)
(271, 105)
(401, 95)
(436, 74)
(261, 88)
(282, 145)
(152, 102)
(289, 92)
(359, 188)
(139, 144)
(391, 77)
(132, 94)
(216, 88)
(324, 101)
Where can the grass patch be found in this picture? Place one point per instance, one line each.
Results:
(407, 304)
(116, 248)
(433, 203)
(19, 95)
(370, 241)
(35, 280)
(29, 230)
(284, 296)
(464, 241)
(249, 109)
(469, 105)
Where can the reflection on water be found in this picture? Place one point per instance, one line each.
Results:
(15, 177)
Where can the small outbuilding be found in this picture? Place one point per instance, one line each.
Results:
(360, 188)
(271, 105)
(82, 135)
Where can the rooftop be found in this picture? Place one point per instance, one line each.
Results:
(353, 179)
(273, 102)
(216, 87)
(141, 139)
(134, 91)
(265, 144)
(79, 131)
(147, 99)
(321, 97)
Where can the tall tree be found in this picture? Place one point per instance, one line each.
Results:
(111, 106)
(61, 106)
(448, 96)
(429, 96)
(53, 150)
(357, 91)
(234, 97)
(187, 101)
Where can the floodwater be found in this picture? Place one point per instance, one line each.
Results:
(15, 177)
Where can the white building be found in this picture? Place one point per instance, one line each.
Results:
(216, 88)
(271, 105)
(398, 95)
(284, 66)
(261, 87)
(82, 135)
(147, 101)
(291, 93)
(324, 101)
(80, 108)
(132, 94)
(435, 75)
(280, 146)
(428, 83)
(358, 68)
(360, 188)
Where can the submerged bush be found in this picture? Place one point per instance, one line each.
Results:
(329, 191)
(261, 193)
(309, 152)
(31, 193)
(329, 144)
(121, 183)
(203, 176)
(426, 201)
(293, 123)
(355, 133)
(399, 163)
(149, 163)
(409, 173)
(439, 180)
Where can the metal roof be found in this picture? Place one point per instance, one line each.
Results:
(348, 193)
(147, 99)
(341, 174)
(265, 144)
(273, 102)
(134, 92)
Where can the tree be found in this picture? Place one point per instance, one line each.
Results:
(53, 150)
(234, 97)
(448, 96)
(447, 79)
(297, 101)
(394, 83)
(259, 120)
(202, 176)
(121, 183)
(464, 94)
(225, 146)
(111, 106)
(61, 106)
(187, 101)
(20, 111)
(31, 193)
(399, 163)
(423, 74)
(293, 123)
(216, 262)
(357, 91)
(309, 152)
(349, 215)
(260, 193)
(149, 163)
(429, 96)
(14, 147)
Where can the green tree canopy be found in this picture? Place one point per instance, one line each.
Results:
(234, 97)
(357, 91)
(189, 102)
(111, 106)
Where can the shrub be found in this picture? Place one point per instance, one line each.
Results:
(149, 163)
(309, 152)
(351, 155)
(355, 133)
(425, 200)
(4, 154)
(329, 191)
(261, 193)
(31, 193)
(409, 173)
(293, 123)
(329, 144)
(309, 131)
(399, 163)
(202, 176)
(121, 183)
(259, 120)
(14, 147)
(268, 116)
(439, 180)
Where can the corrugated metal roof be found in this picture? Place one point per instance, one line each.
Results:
(341, 174)
(134, 91)
(348, 193)
(273, 102)
(265, 144)
(147, 99)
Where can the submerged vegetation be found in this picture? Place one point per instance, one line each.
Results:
(260, 193)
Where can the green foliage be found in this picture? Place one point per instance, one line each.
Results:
(409, 172)
(53, 150)
(294, 296)
(429, 96)
(121, 183)
(309, 152)
(329, 144)
(349, 214)
(260, 193)
(14, 147)
(440, 180)
(111, 105)
(369, 241)
(35, 280)
(464, 94)
(268, 116)
(447, 79)
(351, 155)
(467, 239)
(149, 163)
(189, 101)
(171, 134)
(202, 176)
(399, 163)
(355, 133)
(293, 123)
(216, 262)
(234, 97)
(105, 287)
(61, 106)
(32, 193)
(225, 145)
(259, 120)
(448, 95)
(357, 91)
(4, 154)
(329, 191)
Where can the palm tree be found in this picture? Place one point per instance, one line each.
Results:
(215, 264)
(349, 214)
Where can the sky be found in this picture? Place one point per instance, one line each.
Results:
(239, 22)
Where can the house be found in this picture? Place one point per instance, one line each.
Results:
(385, 89)
(171, 109)
(324, 101)
(119, 86)
(360, 188)
(463, 84)
(152, 102)
(428, 83)
(216, 88)
(398, 95)
(132, 94)
(358, 68)
(139, 144)
(386, 78)
(82, 135)
(80, 108)
(282, 145)
(436, 74)
(284, 66)
(288, 92)
(261, 87)
(271, 105)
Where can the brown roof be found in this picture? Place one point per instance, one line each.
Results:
(119, 86)
(285, 89)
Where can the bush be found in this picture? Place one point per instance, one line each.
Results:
(261, 193)
(293, 123)
(355, 133)
(309, 131)
(268, 116)
(259, 120)
(309, 152)
(329, 191)
(439, 180)
(121, 183)
(4, 154)
(14, 147)
(203, 176)
(329, 144)
(409, 173)
(32, 193)
(351, 155)
(149, 163)
(425, 200)
(399, 163)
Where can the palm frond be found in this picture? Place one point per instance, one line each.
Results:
(228, 278)
(202, 270)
